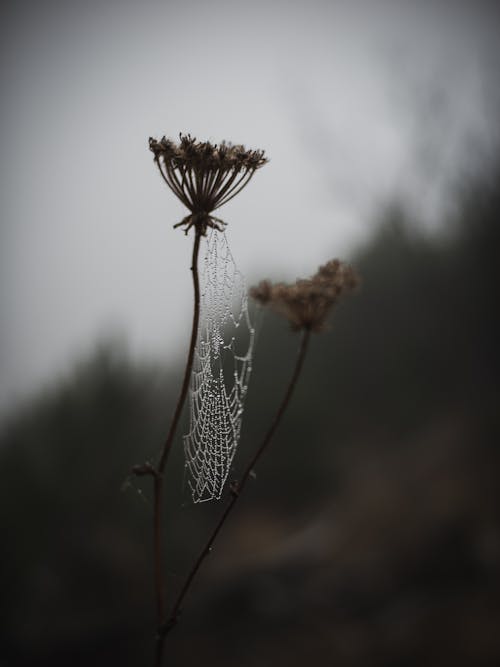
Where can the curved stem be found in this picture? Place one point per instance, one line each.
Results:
(189, 364)
(237, 488)
(167, 446)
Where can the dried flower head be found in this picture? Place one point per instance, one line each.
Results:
(204, 176)
(307, 303)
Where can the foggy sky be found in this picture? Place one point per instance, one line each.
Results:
(353, 103)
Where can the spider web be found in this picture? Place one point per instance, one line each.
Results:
(221, 371)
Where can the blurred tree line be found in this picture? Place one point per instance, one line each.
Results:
(371, 535)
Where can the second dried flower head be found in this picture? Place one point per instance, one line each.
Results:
(307, 303)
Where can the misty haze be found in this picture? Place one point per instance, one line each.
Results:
(369, 534)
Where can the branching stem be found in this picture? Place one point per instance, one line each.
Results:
(237, 488)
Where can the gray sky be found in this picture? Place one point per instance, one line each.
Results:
(352, 101)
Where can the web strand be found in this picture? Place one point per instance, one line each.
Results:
(221, 371)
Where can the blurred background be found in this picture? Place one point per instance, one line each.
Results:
(371, 533)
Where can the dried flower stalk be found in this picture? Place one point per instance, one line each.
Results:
(203, 176)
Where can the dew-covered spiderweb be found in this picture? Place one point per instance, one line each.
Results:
(221, 370)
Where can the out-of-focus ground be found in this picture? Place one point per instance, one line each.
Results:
(371, 534)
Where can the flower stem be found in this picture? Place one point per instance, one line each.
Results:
(165, 451)
(237, 487)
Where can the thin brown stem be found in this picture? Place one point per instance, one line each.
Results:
(189, 364)
(167, 446)
(237, 488)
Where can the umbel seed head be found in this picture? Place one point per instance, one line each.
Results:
(204, 176)
(307, 302)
